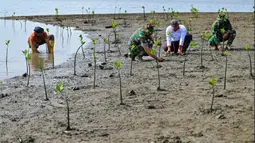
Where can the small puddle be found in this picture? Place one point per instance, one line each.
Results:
(66, 43)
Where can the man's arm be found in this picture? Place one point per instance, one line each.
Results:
(48, 45)
(168, 36)
(34, 49)
(183, 34)
(147, 50)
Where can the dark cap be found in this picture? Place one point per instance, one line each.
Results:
(174, 23)
(38, 30)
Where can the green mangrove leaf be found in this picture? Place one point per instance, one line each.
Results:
(94, 41)
(7, 42)
(117, 64)
(246, 47)
(212, 81)
(59, 87)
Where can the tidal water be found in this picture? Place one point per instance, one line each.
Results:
(66, 43)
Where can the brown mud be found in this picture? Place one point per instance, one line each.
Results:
(180, 113)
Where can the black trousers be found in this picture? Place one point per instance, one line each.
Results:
(51, 37)
(175, 44)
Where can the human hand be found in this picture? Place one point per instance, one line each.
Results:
(219, 47)
(160, 59)
(180, 50)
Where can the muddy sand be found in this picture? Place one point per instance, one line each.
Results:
(179, 113)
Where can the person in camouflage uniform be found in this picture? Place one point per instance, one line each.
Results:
(140, 43)
(217, 36)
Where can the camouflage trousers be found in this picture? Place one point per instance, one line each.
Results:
(136, 49)
(215, 39)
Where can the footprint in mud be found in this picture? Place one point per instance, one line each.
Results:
(2, 95)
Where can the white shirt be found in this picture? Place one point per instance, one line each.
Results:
(175, 35)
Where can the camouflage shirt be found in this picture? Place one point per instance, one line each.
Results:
(139, 37)
(217, 26)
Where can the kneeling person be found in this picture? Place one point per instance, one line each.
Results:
(177, 38)
(39, 37)
(141, 42)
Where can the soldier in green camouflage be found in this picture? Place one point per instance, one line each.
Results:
(140, 43)
(218, 34)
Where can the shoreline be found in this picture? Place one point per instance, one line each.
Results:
(112, 14)
(179, 113)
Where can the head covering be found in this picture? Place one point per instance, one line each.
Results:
(38, 30)
(221, 16)
(150, 29)
(174, 23)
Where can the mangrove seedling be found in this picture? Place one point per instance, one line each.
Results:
(56, 12)
(82, 8)
(143, 13)
(131, 61)
(114, 28)
(212, 82)
(226, 53)
(189, 29)
(93, 21)
(109, 44)
(153, 12)
(246, 47)
(194, 11)
(207, 36)
(223, 45)
(7, 42)
(95, 61)
(153, 52)
(13, 14)
(117, 65)
(40, 66)
(201, 49)
(124, 16)
(119, 12)
(114, 12)
(164, 10)
(191, 45)
(60, 89)
(82, 43)
(105, 42)
(27, 58)
(174, 14)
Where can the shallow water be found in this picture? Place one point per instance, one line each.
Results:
(17, 32)
(42, 7)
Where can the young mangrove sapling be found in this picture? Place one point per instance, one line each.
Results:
(119, 12)
(131, 61)
(212, 82)
(117, 65)
(226, 53)
(144, 13)
(59, 89)
(194, 11)
(246, 47)
(105, 42)
(27, 58)
(114, 28)
(82, 43)
(223, 45)
(40, 66)
(7, 42)
(95, 61)
(201, 50)
(153, 52)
